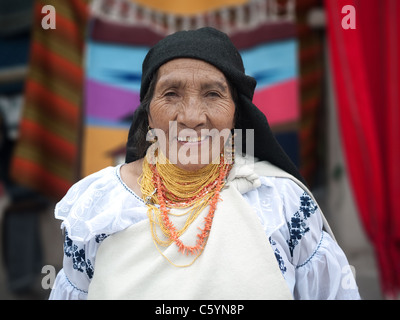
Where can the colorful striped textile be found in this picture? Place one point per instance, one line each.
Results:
(311, 73)
(47, 157)
(119, 42)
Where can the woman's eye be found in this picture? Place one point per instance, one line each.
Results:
(213, 94)
(170, 94)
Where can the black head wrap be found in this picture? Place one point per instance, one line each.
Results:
(215, 47)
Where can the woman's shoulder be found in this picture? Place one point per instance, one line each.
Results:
(297, 202)
(284, 197)
(296, 215)
(100, 203)
(290, 199)
(287, 210)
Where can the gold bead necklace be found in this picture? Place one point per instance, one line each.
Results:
(165, 186)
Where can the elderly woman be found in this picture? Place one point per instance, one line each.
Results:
(189, 215)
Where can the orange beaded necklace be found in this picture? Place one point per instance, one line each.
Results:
(166, 186)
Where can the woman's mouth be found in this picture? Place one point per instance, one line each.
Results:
(192, 140)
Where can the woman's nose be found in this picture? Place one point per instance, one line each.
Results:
(192, 114)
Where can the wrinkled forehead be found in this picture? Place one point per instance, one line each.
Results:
(190, 71)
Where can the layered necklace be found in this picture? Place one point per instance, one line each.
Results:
(165, 186)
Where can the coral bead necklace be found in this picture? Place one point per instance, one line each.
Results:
(165, 186)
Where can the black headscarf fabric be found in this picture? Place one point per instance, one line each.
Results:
(215, 47)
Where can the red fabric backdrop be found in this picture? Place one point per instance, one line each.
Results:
(366, 71)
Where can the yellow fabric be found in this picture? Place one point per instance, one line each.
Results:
(186, 7)
(98, 142)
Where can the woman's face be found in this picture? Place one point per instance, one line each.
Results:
(193, 106)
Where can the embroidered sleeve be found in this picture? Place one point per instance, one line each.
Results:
(316, 259)
(78, 268)
(278, 256)
(299, 235)
(75, 255)
(299, 223)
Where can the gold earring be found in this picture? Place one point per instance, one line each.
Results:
(151, 136)
(229, 151)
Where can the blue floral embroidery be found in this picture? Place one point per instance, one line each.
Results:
(307, 205)
(89, 269)
(100, 237)
(297, 225)
(79, 261)
(278, 257)
(69, 247)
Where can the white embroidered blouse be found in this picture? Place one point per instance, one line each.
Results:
(311, 262)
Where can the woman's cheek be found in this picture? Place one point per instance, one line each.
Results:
(222, 115)
(160, 115)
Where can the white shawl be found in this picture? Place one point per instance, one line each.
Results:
(237, 263)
